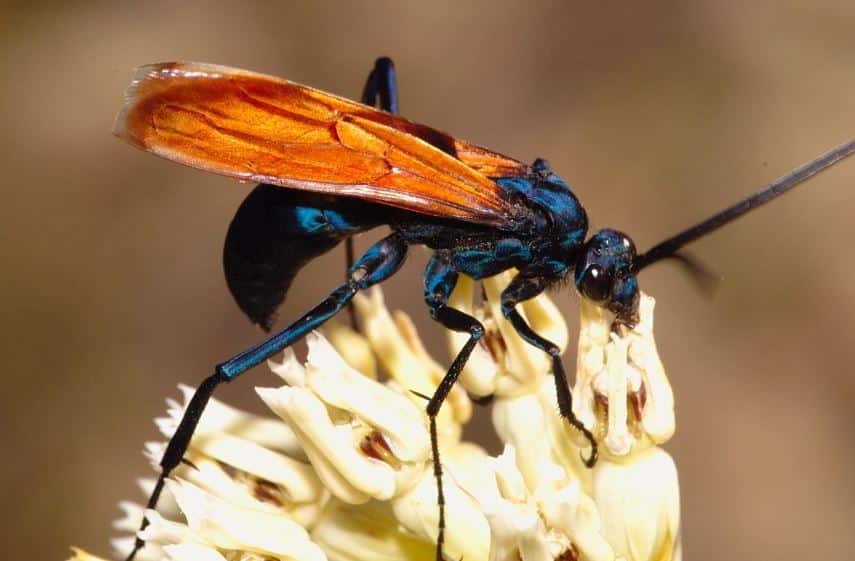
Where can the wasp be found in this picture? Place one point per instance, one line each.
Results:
(329, 168)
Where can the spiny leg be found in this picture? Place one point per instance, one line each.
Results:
(440, 279)
(178, 445)
(381, 85)
(523, 288)
(380, 262)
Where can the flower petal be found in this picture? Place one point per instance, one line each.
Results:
(123, 546)
(367, 532)
(132, 515)
(297, 478)
(289, 368)
(619, 370)
(349, 475)
(516, 419)
(531, 538)
(576, 515)
(658, 413)
(394, 415)
(467, 533)
(225, 526)
(404, 358)
(618, 439)
(192, 552)
(457, 398)
(162, 531)
(353, 347)
(221, 418)
(639, 504)
(566, 444)
(517, 532)
(468, 465)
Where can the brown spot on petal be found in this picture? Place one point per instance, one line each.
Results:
(374, 445)
(231, 471)
(637, 400)
(262, 489)
(495, 344)
(569, 554)
(602, 400)
(267, 492)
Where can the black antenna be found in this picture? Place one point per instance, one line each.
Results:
(778, 187)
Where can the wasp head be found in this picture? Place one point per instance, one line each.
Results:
(604, 274)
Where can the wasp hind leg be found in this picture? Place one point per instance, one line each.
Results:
(440, 279)
(380, 86)
(380, 262)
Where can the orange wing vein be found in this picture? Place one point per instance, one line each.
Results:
(262, 129)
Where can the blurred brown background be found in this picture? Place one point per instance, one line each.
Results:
(656, 115)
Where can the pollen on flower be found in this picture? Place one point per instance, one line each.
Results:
(343, 471)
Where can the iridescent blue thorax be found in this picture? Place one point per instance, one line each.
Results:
(555, 240)
(601, 266)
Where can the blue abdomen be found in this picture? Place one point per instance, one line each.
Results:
(275, 233)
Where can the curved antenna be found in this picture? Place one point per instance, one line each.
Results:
(668, 247)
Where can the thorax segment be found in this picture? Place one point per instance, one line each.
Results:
(555, 239)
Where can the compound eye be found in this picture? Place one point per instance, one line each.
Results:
(596, 283)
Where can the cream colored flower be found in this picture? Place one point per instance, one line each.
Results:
(621, 391)
(345, 473)
(223, 526)
(369, 531)
(467, 533)
(400, 351)
(363, 439)
(238, 457)
(414, 373)
(627, 506)
(545, 519)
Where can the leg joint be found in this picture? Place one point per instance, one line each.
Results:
(507, 308)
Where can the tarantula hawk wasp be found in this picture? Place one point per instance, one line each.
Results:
(330, 168)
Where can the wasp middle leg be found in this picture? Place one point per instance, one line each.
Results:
(440, 279)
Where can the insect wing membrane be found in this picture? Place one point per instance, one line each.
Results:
(262, 129)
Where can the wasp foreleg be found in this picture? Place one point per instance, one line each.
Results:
(523, 288)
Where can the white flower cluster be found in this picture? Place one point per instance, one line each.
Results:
(345, 473)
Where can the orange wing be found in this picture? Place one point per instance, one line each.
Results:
(489, 163)
(262, 129)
